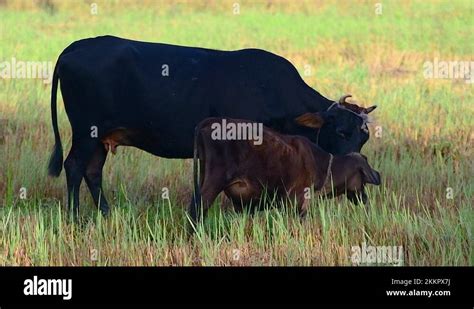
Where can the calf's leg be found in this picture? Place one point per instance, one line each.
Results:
(357, 196)
(200, 203)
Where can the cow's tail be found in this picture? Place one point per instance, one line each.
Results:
(56, 161)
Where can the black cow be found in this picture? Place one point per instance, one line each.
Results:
(151, 96)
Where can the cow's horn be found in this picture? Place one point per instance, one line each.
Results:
(343, 98)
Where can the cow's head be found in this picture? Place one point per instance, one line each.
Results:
(341, 129)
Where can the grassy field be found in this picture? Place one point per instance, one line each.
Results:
(424, 151)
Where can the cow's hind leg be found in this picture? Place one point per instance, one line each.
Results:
(75, 166)
(93, 178)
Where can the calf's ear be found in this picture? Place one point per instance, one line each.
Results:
(310, 120)
(370, 109)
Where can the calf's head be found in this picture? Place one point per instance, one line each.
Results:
(369, 175)
(351, 176)
(342, 127)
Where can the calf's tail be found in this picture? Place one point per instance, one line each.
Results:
(197, 189)
(56, 160)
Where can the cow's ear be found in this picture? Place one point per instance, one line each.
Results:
(369, 109)
(311, 120)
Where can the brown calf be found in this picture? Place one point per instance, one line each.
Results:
(285, 165)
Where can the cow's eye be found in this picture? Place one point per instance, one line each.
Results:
(365, 128)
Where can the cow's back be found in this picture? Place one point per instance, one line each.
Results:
(166, 90)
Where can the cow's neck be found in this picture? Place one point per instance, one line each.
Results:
(315, 102)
